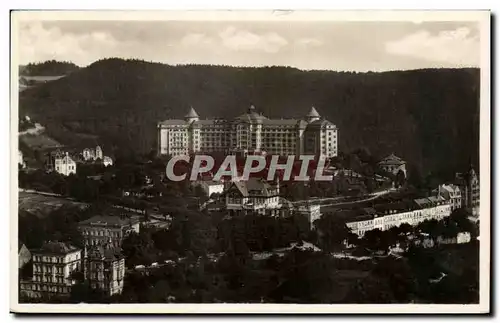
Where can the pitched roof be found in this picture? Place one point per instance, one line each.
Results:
(172, 122)
(191, 114)
(20, 244)
(322, 122)
(280, 122)
(392, 159)
(57, 247)
(103, 252)
(252, 186)
(108, 220)
(313, 113)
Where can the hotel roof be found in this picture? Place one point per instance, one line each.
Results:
(191, 114)
(313, 113)
(108, 220)
(251, 116)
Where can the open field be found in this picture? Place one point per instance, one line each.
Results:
(41, 205)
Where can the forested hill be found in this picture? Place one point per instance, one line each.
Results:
(428, 117)
(48, 68)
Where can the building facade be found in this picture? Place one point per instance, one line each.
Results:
(101, 230)
(253, 195)
(104, 269)
(469, 187)
(386, 216)
(65, 165)
(451, 193)
(53, 265)
(107, 161)
(393, 164)
(249, 133)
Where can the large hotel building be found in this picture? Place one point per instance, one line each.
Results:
(249, 133)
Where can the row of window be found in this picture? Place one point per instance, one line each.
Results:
(48, 279)
(55, 259)
(102, 233)
(53, 289)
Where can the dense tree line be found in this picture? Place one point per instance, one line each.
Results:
(304, 276)
(428, 117)
(48, 68)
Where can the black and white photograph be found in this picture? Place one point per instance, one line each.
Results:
(250, 162)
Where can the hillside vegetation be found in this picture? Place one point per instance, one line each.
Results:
(47, 68)
(428, 117)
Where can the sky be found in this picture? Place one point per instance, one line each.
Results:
(341, 46)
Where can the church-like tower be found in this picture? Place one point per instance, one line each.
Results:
(192, 116)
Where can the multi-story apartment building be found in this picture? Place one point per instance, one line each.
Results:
(386, 216)
(451, 193)
(53, 265)
(253, 195)
(105, 229)
(104, 269)
(249, 133)
(65, 165)
(469, 186)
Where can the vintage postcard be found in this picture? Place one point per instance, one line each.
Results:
(250, 162)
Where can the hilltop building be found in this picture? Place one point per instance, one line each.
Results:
(104, 268)
(393, 164)
(107, 161)
(64, 165)
(105, 229)
(92, 155)
(53, 265)
(251, 133)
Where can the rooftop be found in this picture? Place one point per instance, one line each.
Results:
(252, 187)
(313, 113)
(250, 116)
(57, 247)
(191, 114)
(109, 220)
(103, 252)
(392, 160)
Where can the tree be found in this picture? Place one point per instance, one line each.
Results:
(400, 178)
(460, 218)
(431, 227)
(406, 228)
(138, 249)
(376, 239)
(333, 232)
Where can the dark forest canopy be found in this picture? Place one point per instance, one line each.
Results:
(429, 117)
(48, 68)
